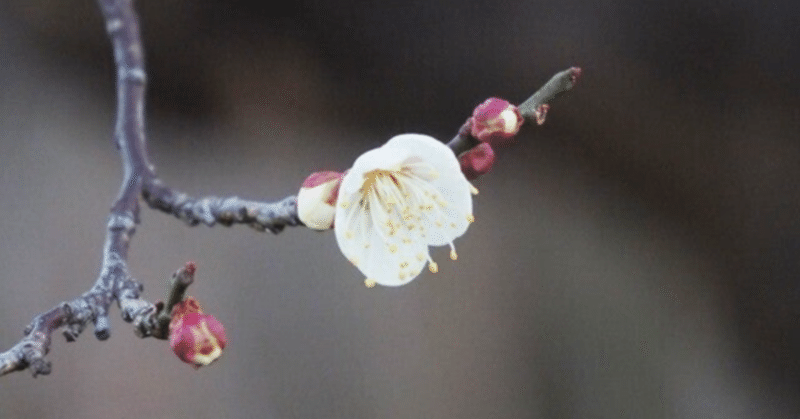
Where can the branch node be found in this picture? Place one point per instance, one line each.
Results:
(135, 75)
(40, 366)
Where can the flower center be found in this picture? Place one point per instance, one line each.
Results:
(403, 203)
(373, 178)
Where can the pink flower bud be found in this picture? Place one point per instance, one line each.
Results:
(478, 161)
(496, 122)
(316, 201)
(196, 338)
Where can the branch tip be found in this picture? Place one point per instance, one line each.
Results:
(102, 327)
(534, 109)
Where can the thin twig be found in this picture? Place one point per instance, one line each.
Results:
(211, 210)
(176, 291)
(559, 83)
(533, 109)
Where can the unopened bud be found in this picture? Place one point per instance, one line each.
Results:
(496, 122)
(197, 338)
(316, 201)
(478, 161)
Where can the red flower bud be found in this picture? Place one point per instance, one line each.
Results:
(316, 201)
(196, 338)
(496, 122)
(478, 161)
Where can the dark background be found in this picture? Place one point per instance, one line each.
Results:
(635, 257)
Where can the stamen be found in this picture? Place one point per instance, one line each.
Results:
(370, 283)
(470, 218)
(453, 254)
(473, 190)
(433, 267)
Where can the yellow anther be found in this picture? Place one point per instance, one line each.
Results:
(349, 234)
(473, 190)
(370, 283)
(453, 254)
(393, 248)
(470, 218)
(344, 204)
(433, 267)
(404, 265)
(420, 257)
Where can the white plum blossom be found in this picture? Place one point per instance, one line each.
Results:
(396, 201)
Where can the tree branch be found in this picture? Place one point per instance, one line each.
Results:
(226, 211)
(114, 282)
(533, 109)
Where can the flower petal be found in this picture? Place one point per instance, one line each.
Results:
(390, 260)
(375, 159)
(397, 200)
(452, 186)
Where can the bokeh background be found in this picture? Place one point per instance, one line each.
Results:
(634, 257)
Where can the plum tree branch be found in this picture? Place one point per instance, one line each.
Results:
(533, 109)
(114, 282)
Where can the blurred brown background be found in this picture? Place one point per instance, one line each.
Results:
(635, 257)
